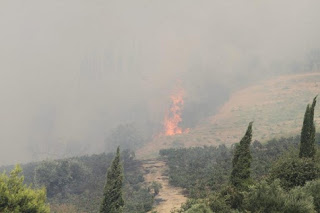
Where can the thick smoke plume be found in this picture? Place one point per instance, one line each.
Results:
(71, 71)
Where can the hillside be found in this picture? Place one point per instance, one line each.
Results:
(76, 184)
(276, 106)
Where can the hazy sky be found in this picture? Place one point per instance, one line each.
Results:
(73, 69)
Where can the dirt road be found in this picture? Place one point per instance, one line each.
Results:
(169, 197)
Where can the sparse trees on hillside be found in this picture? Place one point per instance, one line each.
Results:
(112, 195)
(57, 176)
(307, 144)
(241, 162)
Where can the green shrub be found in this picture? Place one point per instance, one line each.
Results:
(218, 203)
(155, 188)
(57, 176)
(233, 197)
(298, 201)
(294, 171)
(199, 208)
(313, 189)
(187, 205)
(267, 198)
(16, 197)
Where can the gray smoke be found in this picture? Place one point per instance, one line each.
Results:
(73, 70)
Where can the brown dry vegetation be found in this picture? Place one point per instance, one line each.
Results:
(169, 197)
(276, 106)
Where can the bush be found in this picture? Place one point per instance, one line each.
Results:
(233, 197)
(297, 200)
(57, 176)
(155, 188)
(199, 208)
(187, 205)
(139, 201)
(313, 189)
(294, 171)
(267, 198)
(218, 203)
(17, 197)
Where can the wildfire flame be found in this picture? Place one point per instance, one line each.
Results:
(173, 116)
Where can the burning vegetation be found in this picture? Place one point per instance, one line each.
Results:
(173, 115)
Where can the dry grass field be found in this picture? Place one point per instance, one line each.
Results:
(276, 106)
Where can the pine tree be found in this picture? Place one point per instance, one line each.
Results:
(15, 196)
(112, 197)
(307, 143)
(241, 162)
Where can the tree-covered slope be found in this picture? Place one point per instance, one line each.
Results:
(76, 184)
(202, 170)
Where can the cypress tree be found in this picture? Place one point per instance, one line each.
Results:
(307, 143)
(241, 162)
(112, 197)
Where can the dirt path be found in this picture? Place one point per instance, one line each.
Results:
(169, 197)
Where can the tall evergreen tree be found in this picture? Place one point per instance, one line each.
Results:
(112, 197)
(307, 143)
(241, 162)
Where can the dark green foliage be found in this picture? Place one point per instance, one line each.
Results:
(267, 198)
(269, 152)
(313, 188)
(218, 203)
(112, 196)
(85, 191)
(58, 176)
(199, 208)
(139, 200)
(194, 206)
(202, 170)
(307, 145)
(215, 203)
(198, 169)
(241, 162)
(233, 196)
(155, 188)
(294, 171)
(187, 205)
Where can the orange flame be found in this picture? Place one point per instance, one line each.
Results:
(173, 116)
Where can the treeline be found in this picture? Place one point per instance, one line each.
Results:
(287, 182)
(202, 170)
(76, 184)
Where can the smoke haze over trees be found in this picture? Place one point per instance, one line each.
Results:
(72, 71)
